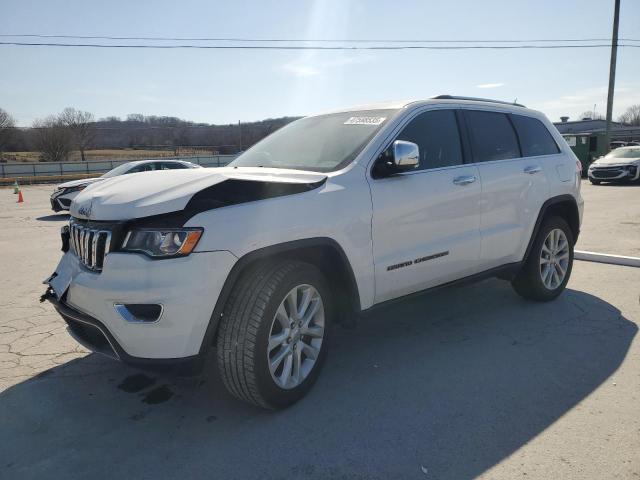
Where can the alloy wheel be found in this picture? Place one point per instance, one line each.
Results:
(554, 259)
(296, 336)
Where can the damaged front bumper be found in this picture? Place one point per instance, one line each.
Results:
(93, 335)
(185, 288)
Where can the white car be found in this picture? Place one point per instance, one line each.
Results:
(331, 216)
(64, 193)
(621, 164)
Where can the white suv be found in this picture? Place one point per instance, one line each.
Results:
(328, 217)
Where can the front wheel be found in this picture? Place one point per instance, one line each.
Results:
(594, 182)
(548, 267)
(272, 338)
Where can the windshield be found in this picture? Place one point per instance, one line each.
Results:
(119, 170)
(624, 153)
(323, 143)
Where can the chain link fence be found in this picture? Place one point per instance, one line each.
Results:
(95, 167)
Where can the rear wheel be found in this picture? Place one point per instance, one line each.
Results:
(548, 267)
(272, 339)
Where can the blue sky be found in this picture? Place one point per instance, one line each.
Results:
(217, 86)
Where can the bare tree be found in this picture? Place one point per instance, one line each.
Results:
(53, 139)
(592, 115)
(135, 117)
(631, 116)
(7, 128)
(81, 125)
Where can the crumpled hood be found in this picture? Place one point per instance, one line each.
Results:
(82, 181)
(139, 195)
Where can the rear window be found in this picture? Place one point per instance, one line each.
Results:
(492, 136)
(535, 139)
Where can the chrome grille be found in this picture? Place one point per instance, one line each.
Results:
(90, 245)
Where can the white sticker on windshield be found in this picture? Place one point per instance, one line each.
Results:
(365, 120)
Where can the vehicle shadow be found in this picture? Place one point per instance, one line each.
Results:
(58, 217)
(453, 383)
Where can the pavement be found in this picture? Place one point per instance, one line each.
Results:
(611, 222)
(469, 382)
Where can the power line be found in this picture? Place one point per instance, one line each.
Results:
(304, 40)
(316, 47)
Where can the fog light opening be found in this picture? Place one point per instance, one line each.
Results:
(139, 312)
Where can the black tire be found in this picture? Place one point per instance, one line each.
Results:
(594, 182)
(246, 325)
(528, 282)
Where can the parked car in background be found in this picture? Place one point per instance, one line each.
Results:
(620, 165)
(66, 192)
(328, 217)
(617, 144)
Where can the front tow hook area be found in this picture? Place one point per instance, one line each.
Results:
(49, 293)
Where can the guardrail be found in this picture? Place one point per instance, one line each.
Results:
(28, 171)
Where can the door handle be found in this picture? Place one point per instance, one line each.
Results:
(464, 180)
(532, 169)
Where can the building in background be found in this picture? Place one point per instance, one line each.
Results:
(619, 131)
(587, 137)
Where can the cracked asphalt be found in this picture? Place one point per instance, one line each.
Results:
(469, 382)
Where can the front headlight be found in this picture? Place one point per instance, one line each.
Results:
(162, 243)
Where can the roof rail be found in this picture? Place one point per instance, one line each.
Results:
(475, 99)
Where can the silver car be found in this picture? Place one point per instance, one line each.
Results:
(621, 164)
(65, 192)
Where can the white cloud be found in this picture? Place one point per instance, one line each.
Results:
(310, 66)
(576, 102)
(490, 85)
(300, 70)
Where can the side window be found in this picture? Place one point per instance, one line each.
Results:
(437, 137)
(136, 169)
(492, 136)
(171, 166)
(535, 139)
(145, 167)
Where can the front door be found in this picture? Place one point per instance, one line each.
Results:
(426, 222)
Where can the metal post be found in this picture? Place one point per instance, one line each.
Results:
(612, 72)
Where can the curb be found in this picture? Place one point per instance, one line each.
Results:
(607, 258)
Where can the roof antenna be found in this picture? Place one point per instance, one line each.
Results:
(515, 101)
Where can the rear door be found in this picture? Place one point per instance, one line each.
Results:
(426, 222)
(514, 186)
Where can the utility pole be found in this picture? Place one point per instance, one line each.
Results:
(240, 135)
(612, 71)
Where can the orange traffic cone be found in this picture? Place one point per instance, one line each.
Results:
(20, 199)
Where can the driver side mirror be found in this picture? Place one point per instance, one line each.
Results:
(402, 156)
(406, 155)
